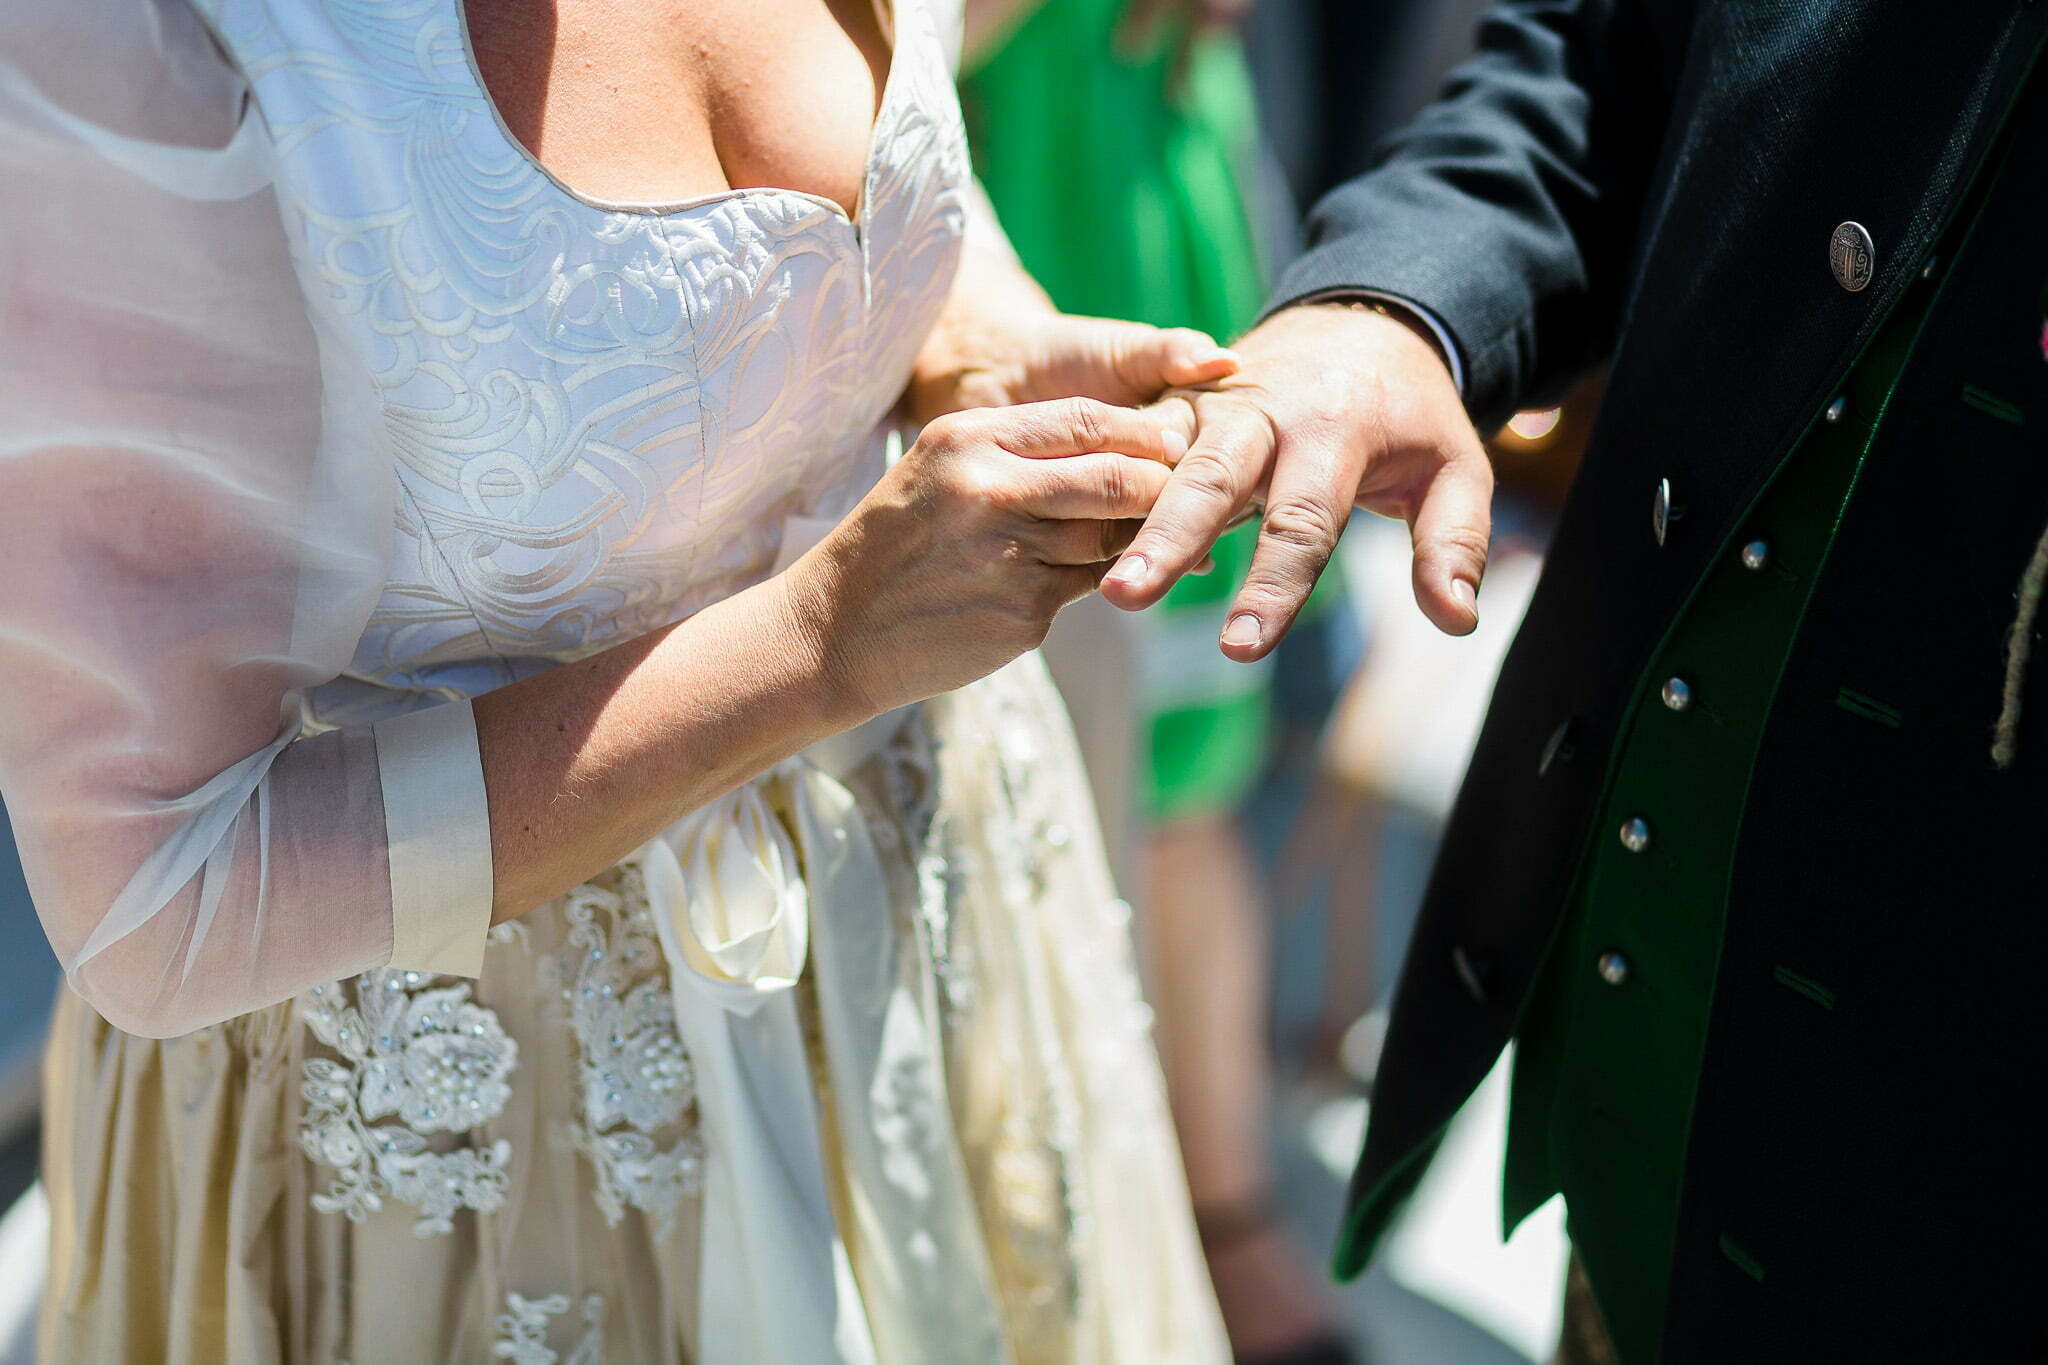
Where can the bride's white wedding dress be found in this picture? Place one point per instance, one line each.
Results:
(326, 409)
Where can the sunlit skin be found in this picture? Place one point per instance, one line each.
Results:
(953, 565)
(665, 101)
(1334, 406)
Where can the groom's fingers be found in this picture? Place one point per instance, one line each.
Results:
(1215, 479)
(1306, 511)
(1451, 531)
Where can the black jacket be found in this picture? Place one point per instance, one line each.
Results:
(1658, 181)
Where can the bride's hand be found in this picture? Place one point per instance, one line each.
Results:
(957, 561)
(1030, 356)
(1000, 341)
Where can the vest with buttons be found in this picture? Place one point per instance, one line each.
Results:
(1609, 1046)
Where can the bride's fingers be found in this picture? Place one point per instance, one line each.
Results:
(1079, 426)
(1147, 360)
(1074, 582)
(1177, 411)
(1080, 542)
(1204, 366)
(1091, 488)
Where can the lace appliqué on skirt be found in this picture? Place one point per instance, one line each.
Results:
(523, 1330)
(638, 1122)
(425, 1055)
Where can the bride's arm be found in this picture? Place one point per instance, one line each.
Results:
(196, 522)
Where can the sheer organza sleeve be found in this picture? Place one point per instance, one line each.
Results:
(195, 512)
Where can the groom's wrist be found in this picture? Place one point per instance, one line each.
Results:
(1410, 314)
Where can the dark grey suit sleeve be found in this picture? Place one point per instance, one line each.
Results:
(1509, 208)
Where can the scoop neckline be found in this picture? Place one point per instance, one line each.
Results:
(892, 9)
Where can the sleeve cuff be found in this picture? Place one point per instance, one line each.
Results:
(437, 826)
(1413, 309)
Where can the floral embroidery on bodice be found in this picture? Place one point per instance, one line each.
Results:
(599, 418)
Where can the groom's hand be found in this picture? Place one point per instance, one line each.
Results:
(1334, 405)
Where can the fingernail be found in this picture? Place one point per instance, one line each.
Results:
(1130, 571)
(1174, 444)
(1214, 356)
(1465, 595)
(1242, 632)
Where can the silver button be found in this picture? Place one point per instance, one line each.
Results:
(1837, 410)
(1927, 271)
(1852, 256)
(1635, 834)
(1613, 968)
(1660, 510)
(1756, 554)
(1677, 693)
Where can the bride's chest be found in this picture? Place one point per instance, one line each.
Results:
(656, 101)
(599, 418)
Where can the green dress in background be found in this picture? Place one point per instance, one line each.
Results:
(1127, 202)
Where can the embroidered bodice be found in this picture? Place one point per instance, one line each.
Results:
(600, 416)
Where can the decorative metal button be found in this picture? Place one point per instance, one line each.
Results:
(1662, 512)
(1635, 834)
(1927, 271)
(1677, 693)
(1837, 410)
(1756, 554)
(1852, 256)
(1613, 968)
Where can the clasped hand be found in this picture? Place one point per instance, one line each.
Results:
(1333, 406)
(1014, 501)
(1031, 474)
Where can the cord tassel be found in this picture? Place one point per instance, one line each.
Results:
(2019, 647)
